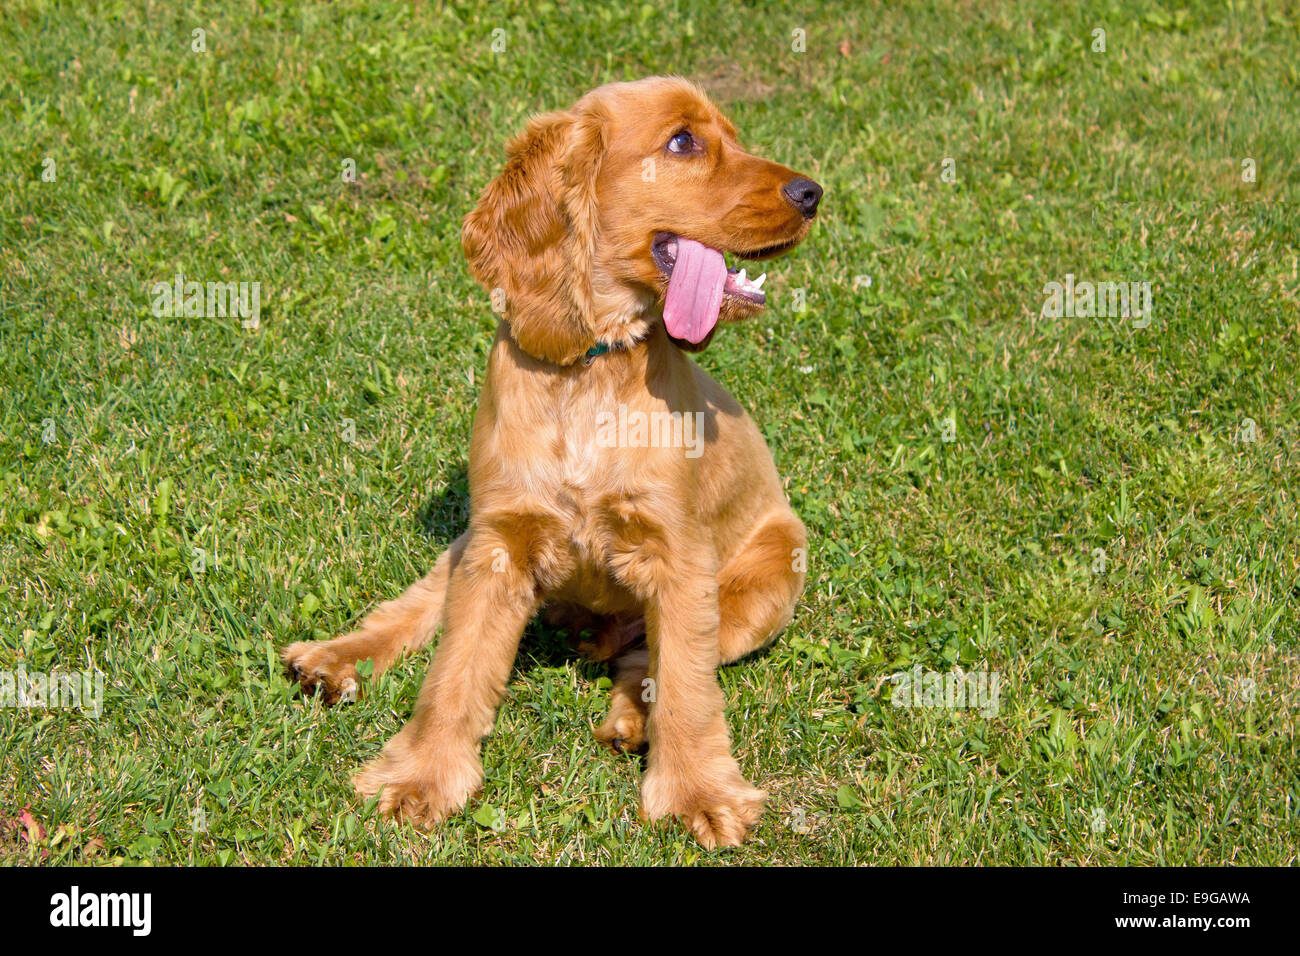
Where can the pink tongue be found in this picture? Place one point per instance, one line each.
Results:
(694, 291)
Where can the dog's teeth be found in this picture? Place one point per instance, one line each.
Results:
(758, 283)
(740, 278)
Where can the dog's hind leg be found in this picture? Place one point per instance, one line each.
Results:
(624, 729)
(759, 586)
(404, 624)
(620, 640)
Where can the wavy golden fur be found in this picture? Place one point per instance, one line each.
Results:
(675, 563)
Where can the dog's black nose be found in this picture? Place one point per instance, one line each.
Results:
(804, 194)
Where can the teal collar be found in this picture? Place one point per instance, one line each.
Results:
(600, 348)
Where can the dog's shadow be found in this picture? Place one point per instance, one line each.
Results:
(444, 517)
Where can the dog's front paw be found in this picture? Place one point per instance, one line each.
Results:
(720, 811)
(321, 671)
(421, 789)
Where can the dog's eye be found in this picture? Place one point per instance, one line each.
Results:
(681, 143)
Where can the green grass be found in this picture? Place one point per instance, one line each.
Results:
(1122, 691)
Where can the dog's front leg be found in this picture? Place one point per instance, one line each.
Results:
(692, 774)
(432, 767)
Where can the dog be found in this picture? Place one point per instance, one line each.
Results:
(601, 244)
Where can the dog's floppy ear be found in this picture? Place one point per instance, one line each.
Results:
(533, 234)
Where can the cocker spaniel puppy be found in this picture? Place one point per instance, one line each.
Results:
(611, 479)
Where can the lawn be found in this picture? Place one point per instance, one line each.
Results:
(1099, 511)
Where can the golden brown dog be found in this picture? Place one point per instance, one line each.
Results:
(609, 476)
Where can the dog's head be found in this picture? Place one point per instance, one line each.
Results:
(617, 212)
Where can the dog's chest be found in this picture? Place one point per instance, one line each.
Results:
(587, 447)
(612, 445)
(587, 458)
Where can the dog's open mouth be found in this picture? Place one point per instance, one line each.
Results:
(699, 279)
